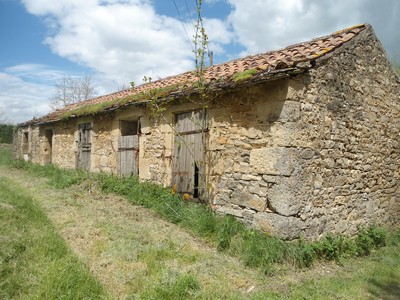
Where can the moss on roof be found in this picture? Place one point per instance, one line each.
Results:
(142, 97)
(240, 76)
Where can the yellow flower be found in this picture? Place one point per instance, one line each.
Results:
(186, 196)
(173, 189)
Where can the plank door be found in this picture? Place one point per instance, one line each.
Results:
(128, 155)
(188, 161)
(84, 146)
(48, 146)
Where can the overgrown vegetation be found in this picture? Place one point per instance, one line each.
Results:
(240, 76)
(254, 248)
(356, 278)
(92, 109)
(35, 262)
(200, 94)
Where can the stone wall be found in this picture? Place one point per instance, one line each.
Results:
(352, 115)
(304, 156)
(17, 144)
(104, 144)
(314, 154)
(155, 149)
(29, 149)
(255, 145)
(64, 144)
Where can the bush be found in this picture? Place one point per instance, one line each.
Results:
(370, 238)
(332, 247)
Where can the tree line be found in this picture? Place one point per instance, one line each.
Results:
(6, 133)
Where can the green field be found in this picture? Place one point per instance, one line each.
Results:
(68, 235)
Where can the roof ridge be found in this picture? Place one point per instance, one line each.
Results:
(239, 59)
(272, 63)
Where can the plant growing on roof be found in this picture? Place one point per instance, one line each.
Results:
(199, 93)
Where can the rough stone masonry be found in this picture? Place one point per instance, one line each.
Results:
(308, 154)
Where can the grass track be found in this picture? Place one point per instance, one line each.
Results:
(35, 262)
(134, 253)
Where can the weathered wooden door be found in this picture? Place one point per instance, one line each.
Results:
(128, 155)
(47, 146)
(188, 174)
(84, 146)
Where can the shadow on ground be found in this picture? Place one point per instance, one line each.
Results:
(386, 291)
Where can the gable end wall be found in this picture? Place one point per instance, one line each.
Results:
(352, 115)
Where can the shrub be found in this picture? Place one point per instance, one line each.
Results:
(370, 238)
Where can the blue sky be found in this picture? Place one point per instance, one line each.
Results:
(119, 41)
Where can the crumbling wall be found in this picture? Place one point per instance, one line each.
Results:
(64, 144)
(17, 143)
(156, 143)
(254, 150)
(304, 156)
(352, 115)
(314, 154)
(26, 144)
(104, 144)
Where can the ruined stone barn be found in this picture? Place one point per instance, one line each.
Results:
(296, 142)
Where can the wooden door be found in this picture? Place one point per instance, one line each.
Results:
(84, 146)
(48, 146)
(189, 153)
(128, 155)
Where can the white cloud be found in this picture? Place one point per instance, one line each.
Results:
(36, 73)
(120, 40)
(123, 40)
(22, 100)
(262, 25)
(218, 33)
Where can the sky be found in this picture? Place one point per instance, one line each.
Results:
(119, 41)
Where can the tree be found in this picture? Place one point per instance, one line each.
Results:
(6, 129)
(72, 90)
(6, 133)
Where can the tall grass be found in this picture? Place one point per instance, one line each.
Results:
(35, 262)
(226, 233)
(5, 154)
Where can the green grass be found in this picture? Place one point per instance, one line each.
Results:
(35, 263)
(254, 248)
(174, 286)
(371, 259)
(374, 277)
(6, 154)
(227, 234)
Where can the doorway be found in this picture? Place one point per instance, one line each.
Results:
(84, 146)
(188, 173)
(48, 146)
(128, 148)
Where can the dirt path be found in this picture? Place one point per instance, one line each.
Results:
(129, 248)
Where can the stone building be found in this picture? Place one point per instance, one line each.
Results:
(296, 142)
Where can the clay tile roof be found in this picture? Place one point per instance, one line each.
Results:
(273, 61)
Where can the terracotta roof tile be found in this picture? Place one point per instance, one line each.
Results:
(288, 57)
